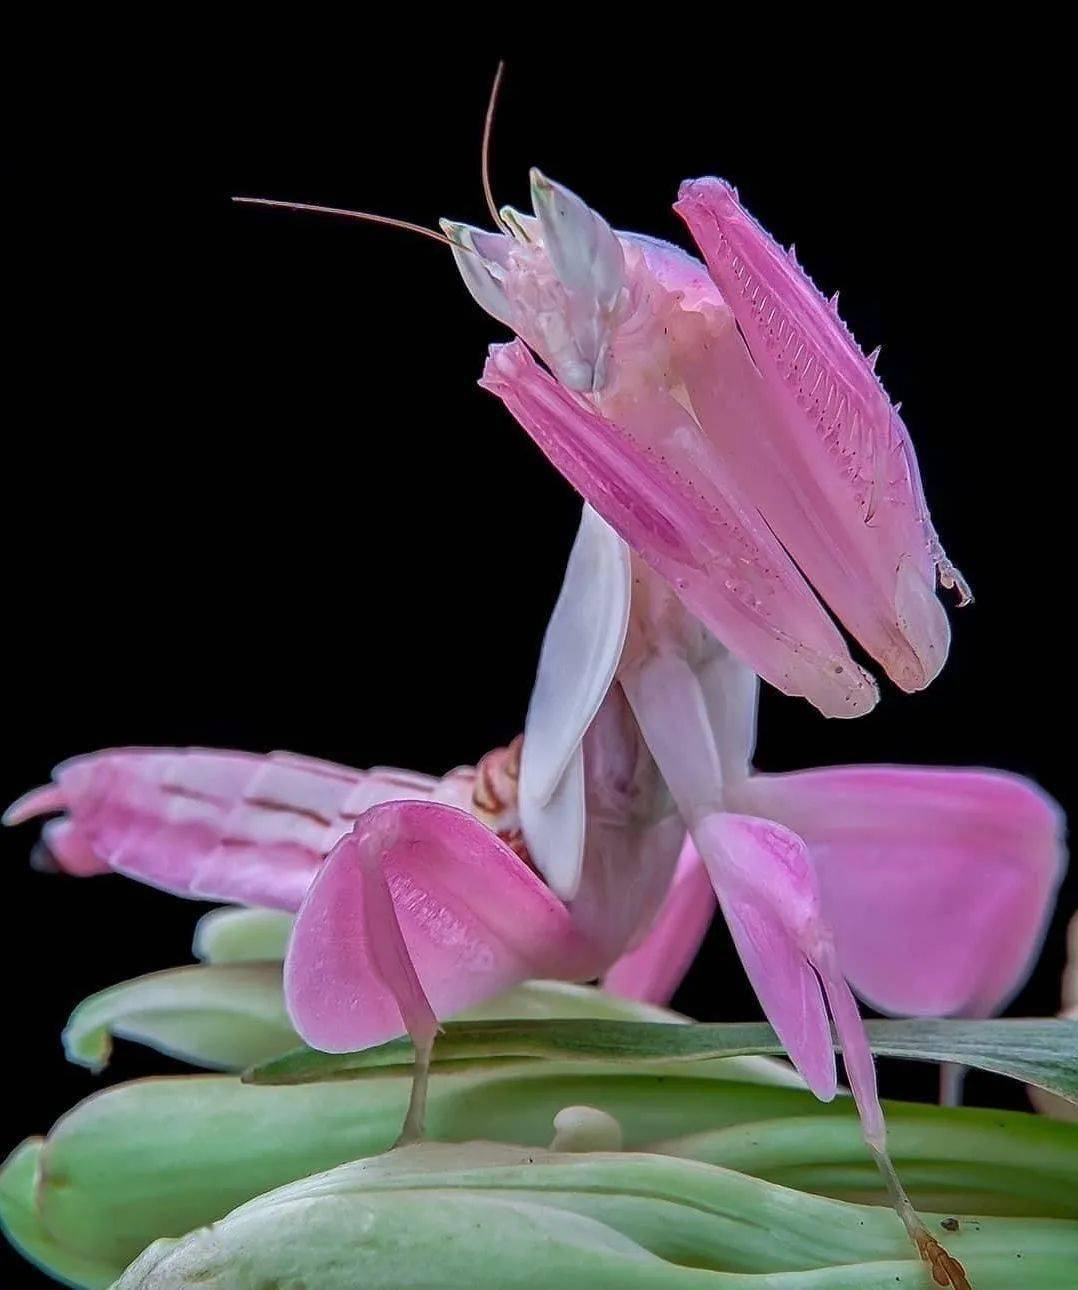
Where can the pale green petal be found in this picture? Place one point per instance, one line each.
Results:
(225, 1017)
(23, 1227)
(440, 1215)
(239, 935)
(989, 1162)
(422, 1240)
(682, 1210)
(160, 1157)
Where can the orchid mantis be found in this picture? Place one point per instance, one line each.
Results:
(721, 418)
(744, 472)
(559, 857)
(907, 853)
(416, 896)
(726, 425)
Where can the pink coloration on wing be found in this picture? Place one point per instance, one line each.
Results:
(937, 883)
(474, 918)
(833, 469)
(715, 551)
(654, 969)
(724, 423)
(212, 825)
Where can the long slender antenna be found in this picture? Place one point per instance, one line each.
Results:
(363, 215)
(488, 126)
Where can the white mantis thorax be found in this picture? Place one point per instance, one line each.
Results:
(616, 625)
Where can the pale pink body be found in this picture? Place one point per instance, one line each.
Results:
(927, 889)
(823, 876)
(729, 430)
(474, 917)
(725, 425)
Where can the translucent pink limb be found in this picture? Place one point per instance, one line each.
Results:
(767, 888)
(721, 558)
(420, 911)
(213, 825)
(634, 833)
(937, 884)
(832, 468)
(861, 1074)
(379, 951)
(653, 970)
(769, 894)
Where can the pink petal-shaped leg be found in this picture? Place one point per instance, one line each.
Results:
(725, 563)
(373, 957)
(861, 1074)
(654, 969)
(767, 887)
(832, 469)
(937, 884)
(768, 890)
(474, 919)
(214, 825)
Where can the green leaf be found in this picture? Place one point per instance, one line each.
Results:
(964, 1160)
(426, 1240)
(21, 1222)
(487, 1215)
(160, 1157)
(224, 1017)
(1043, 1053)
(230, 1014)
(240, 935)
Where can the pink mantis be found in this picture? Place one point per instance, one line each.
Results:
(564, 862)
(727, 427)
(559, 857)
(871, 887)
(739, 460)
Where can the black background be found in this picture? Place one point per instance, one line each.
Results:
(255, 499)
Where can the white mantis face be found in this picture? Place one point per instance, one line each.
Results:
(589, 301)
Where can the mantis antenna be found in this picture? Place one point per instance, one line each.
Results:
(363, 215)
(488, 125)
(407, 225)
